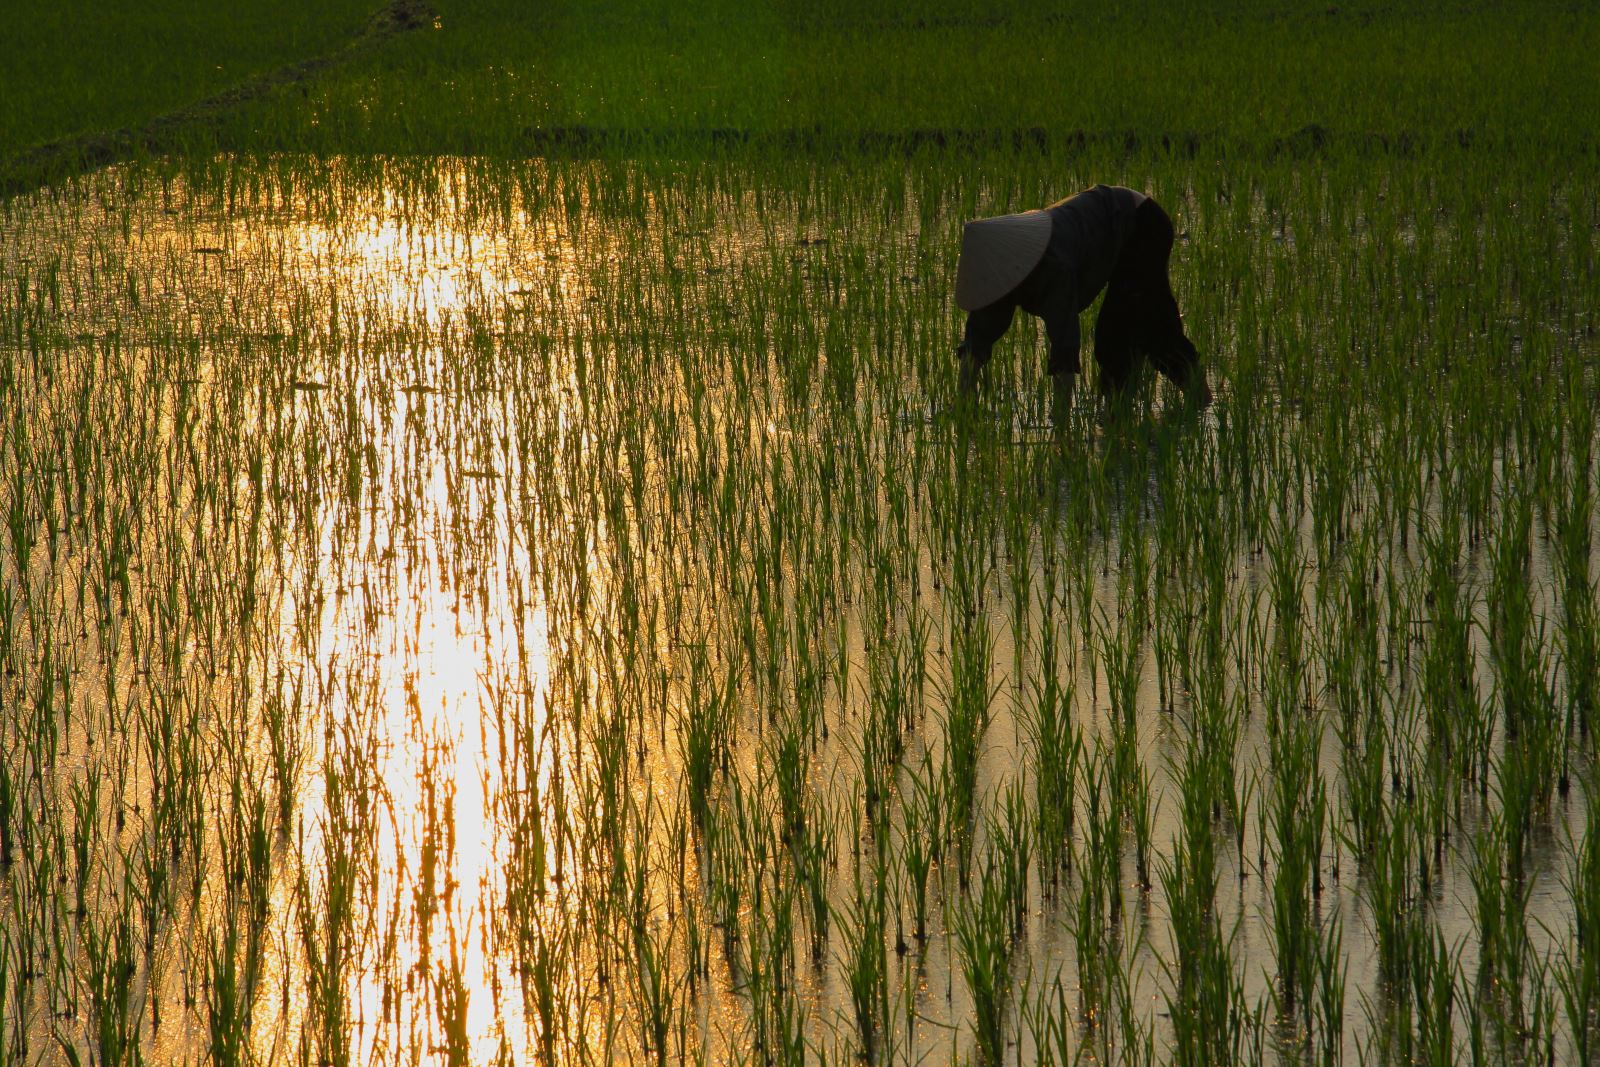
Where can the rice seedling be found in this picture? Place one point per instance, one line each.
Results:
(1577, 965)
(1331, 973)
(1205, 998)
(967, 713)
(983, 927)
(1296, 813)
(1057, 748)
(866, 964)
(921, 834)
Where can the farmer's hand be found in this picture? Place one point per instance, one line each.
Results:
(968, 365)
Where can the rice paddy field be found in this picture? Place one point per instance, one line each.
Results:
(554, 607)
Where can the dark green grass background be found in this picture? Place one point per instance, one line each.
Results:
(1519, 73)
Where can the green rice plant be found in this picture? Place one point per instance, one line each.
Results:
(1398, 926)
(654, 987)
(1141, 812)
(285, 746)
(1296, 814)
(21, 521)
(1434, 990)
(1512, 640)
(866, 963)
(1211, 745)
(727, 872)
(1047, 1017)
(1500, 908)
(1449, 697)
(1577, 964)
(1364, 748)
(1331, 487)
(920, 834)
(967, 712)
(1165, 636)
(546, 962)
(1133, 574)
(1134, 1040)
(1523, 787)
(328, 915)
(1285, 574)
(8, 985)
(9, 610)
(109, 952)
(790, 766)
(1100, 875)
(1580, 621)
(1348, 625)
(1205, 998)
(981, 924)
(1331, 974)
(1056, 744)
(227, 1000)
(1012, 852)
(450, 997)
(813, 860)
(85, 836)
(1119, 653)
(258, 883)
(702, 737)
(785, 1041)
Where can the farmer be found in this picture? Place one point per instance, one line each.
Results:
(1052, 263)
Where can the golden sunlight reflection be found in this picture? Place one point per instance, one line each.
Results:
(418, 607)
(438, 652)
(424, 271)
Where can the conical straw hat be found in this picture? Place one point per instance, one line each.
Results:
(996, 254)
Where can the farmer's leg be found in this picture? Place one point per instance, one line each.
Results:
(1114, 349)
(984, 327)
(1145, 286)
(1120, 332)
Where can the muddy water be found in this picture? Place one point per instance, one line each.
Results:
(428, 505)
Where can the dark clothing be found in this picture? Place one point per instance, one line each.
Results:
(1110, 238)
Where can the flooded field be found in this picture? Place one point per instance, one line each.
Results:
(467, 612)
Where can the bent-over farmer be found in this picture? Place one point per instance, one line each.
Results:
(1053, 262)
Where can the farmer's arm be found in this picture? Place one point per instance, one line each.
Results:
(984, 327)
(1061, 326)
